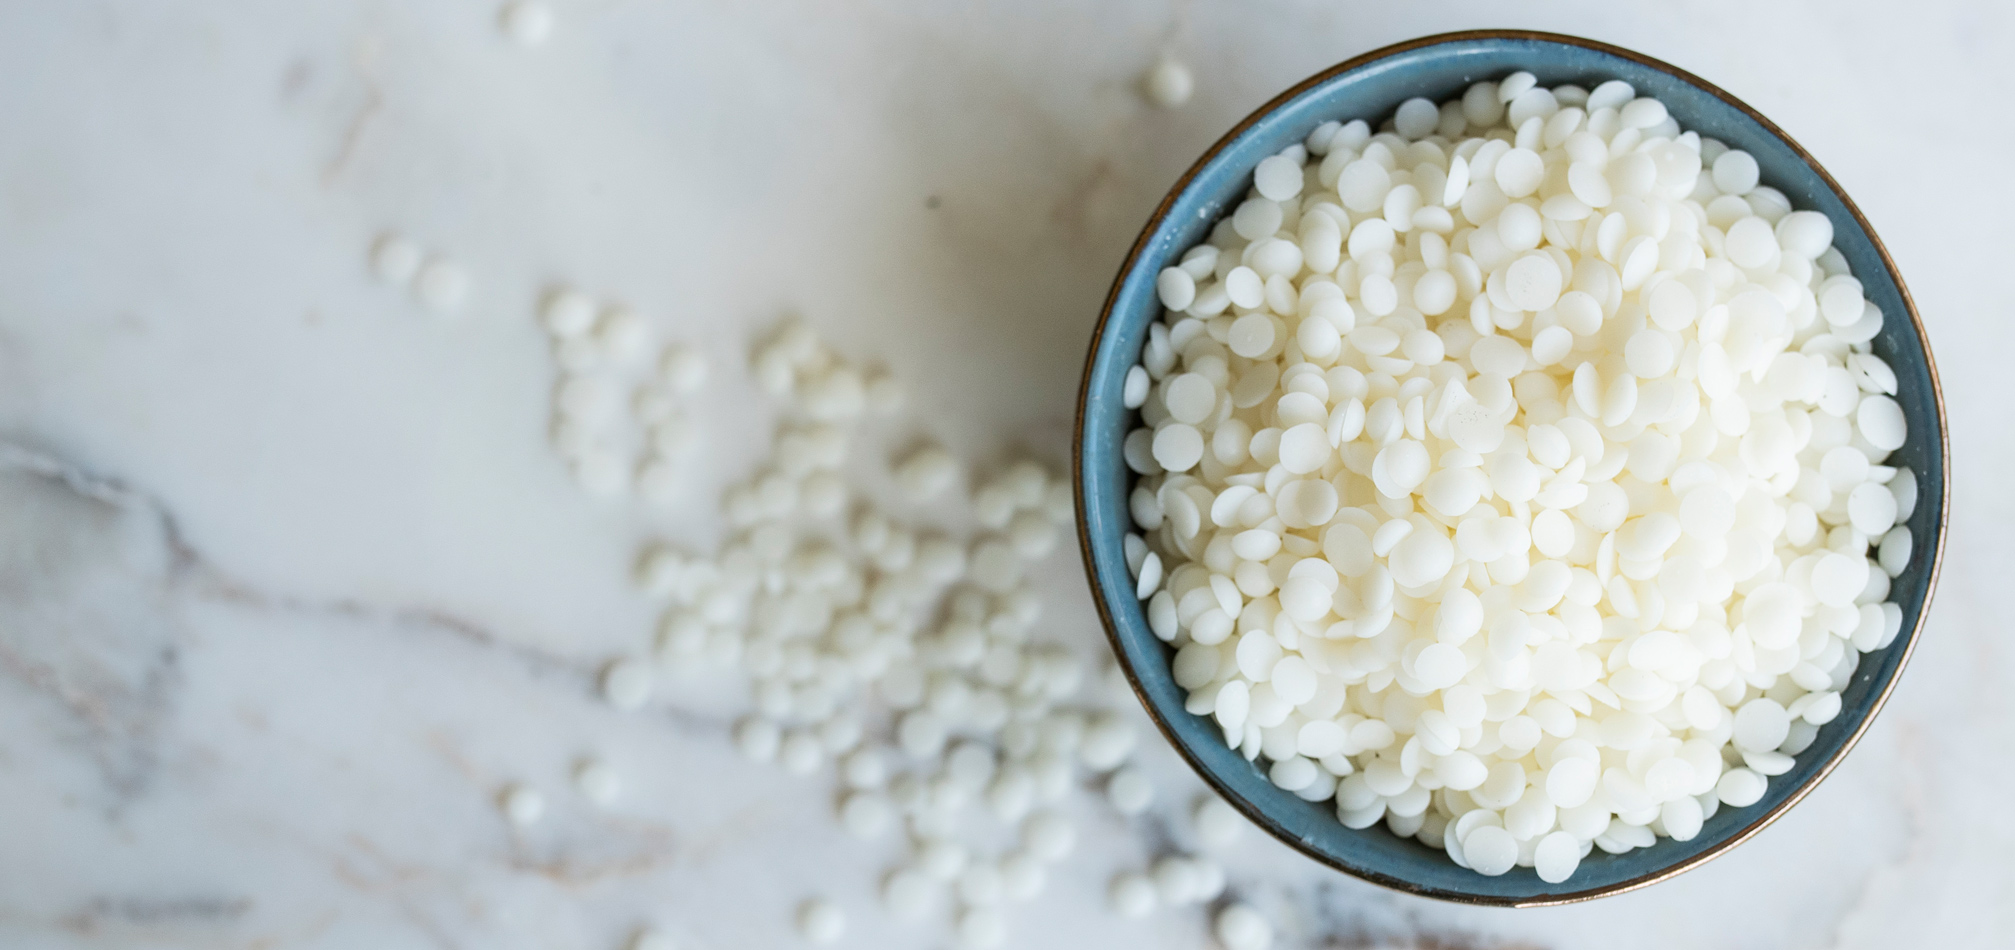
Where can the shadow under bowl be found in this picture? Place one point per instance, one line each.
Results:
(1371, 87)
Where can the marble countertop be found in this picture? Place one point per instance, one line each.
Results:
(291, 582)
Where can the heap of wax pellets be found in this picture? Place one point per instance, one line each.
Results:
(1516, 475)
(904, 658)
(599, 349)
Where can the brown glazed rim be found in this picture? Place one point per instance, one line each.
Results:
(1252, 812)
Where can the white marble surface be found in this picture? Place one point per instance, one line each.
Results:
(290, 583)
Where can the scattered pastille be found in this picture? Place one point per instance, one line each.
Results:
(523, 804)
(598, 782)
(627, 683)
(1240, 927)
(528, 23)
(395, 259)
(683, 369)
(821, 921)
(621, 422)
(926, 473)
(567, 312)
(1129, 790)
(441, 285)
(648, 938)
(1218, 825)
(622, 334)
(1168, 83)
(1131, 894)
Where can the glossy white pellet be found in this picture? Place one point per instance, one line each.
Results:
(921, 733)
(598, 782)
(527, 22)
(1740, 788)
(1218, 825)
(1177, 447)
(1048, 835)
(1169, 84)
(1278, 178)
(1108, 741)
(1880, 421)
(1240, 927)
(395, 259)
(1806, 234)
(1178, 880)
(1519, 172)
(1176, 288)
(622, 334)
(979, 928)
(1556, 857)
(683, 368)
(758, 738)
(1895, 551)
(1131, 894)
(1022, 876)
(821, 921)
(1760, 725)
(1129, 791)
(1751, 243)
(1209, 880)
(627, 683)
(1490, 850)
(907, 893)
(523, 805)
(942, 858)
(1735, 172)
(441, 285)
(1642, 113)
(1416, 118)
(926, 473)
(649, 939)
(799, 752)
(866, 814)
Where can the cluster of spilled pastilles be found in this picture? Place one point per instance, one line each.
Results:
(905, 658)
(1516, 475)
(598, 402)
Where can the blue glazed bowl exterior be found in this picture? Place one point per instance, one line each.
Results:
(1371, 87)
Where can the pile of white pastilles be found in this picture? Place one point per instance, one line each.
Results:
(1515, 475)
(903, 657)
(599, 348)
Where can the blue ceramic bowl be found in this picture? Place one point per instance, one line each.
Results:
(1370, 87)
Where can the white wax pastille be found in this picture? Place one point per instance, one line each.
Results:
(395, 259)
(1169, 84)
(441, 285)
(821, 921)
(1240, 927)
(527, 22)
(598, 782)
(1131, 894)
(523, 804)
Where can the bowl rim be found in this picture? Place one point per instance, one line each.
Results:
(1250, 810)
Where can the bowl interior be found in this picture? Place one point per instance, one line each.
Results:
(1370, 88)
